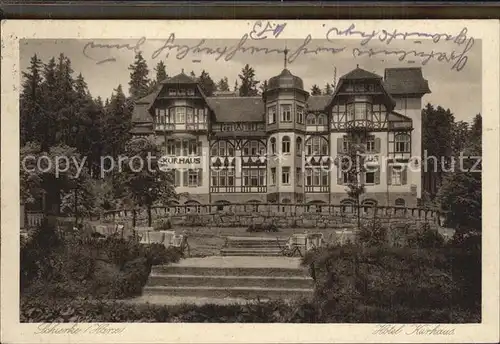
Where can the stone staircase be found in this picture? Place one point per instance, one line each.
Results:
(253, 246)
(240, 277)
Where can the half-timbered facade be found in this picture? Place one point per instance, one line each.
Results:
(281, 147)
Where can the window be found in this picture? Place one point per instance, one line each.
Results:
(189, 115)
(309, 179)
(222, 148)
(370, 144)
(317, 177)
(190, 92)
(254, 177)
(193, 147)
(172, 92)
(322, 119)
(170, 147)
(285, 145)
(311, 119)
(202, 118)
(345, 144)
(400, 202)
(178, 147)
(273, 176)
(181, 92)
(222, 177)
(298, 176)
(286, 113)
(254, 148)
(193, 177)
(396, 175)
(370, 178)
(169, 116)
(300, 115)
(402, 142)
(317, 145)
(298, 148)
(285, 175)
(271, 112)
(345, 178)
(180, 115)
(273, 145)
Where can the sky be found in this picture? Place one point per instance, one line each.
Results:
(460, 91)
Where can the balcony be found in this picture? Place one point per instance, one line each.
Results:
(358, 123)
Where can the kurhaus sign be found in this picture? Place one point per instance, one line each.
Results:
(238, 127)
(180, 161)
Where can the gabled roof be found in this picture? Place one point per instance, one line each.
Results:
(358, 74)
(237, 109)
(405, 81)
(141, 113)
(179, 79)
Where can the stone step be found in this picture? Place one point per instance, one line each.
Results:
(251, 252)
(232, 292)
(228, 271)
(230, 281)
(255, 245)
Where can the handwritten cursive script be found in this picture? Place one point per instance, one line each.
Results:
(457, 57)
(77, 329)
(415, 330)
(229, 52)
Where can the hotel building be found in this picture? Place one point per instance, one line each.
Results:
(280, 147)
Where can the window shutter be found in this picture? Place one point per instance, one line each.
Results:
(389, 175)
(404, 176)
(377, 145)
(185, 178)
(200, 177)
(377, 176)
(339, 144)
(177, 178)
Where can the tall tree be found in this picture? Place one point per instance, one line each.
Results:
(31, 101)
(476, 132)
(192, 75)
(437, 138)
(139, 77)
(206, 83)
(223, 85)
(315, 90)
(161, 72)
(460, 137)
(144, 179)
(236, 86)
(248, 86)
(118, 123)
(328, 89)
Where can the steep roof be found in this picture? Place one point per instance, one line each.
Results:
(237, 109)
(141, 113)
(358, 74)
(405, 81)
(318, 103)
(180, 78)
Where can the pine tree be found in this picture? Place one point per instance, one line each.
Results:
(31, 101)
(139, 81)
(315, 90)
(328, 89)
(45, 127)
(236, 86)
(223, 85)
(161, 72)
(118, 123)
(206, 84)
(248, 83)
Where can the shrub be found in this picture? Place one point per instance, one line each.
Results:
(425, 237)
(164, 225)
(372, 233)
(267, 227)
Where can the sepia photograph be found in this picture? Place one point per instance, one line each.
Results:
(267, 177)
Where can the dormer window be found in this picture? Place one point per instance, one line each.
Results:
(190, 92)
(182, 92)
(311, 119)
(172, 92)
(321, 119)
